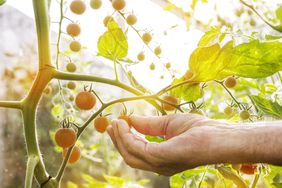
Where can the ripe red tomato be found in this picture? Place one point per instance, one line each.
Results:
(248, 168)
(65, 137)
(230, 82)
(74, 156)
(85, 100)
(101, 123)
(126, 118)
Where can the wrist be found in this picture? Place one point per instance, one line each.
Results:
(249, 143)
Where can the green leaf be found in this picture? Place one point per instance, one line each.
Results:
(272, 37)
(210, 37)
(57, 110)
(113, 43)
(169, 6)
(232, 175)
(154, 139)
(187, 92)
(267, 106)
(2, 2)
(93, 183)
(251, 60)
(113, 180)
(71, 185)
(278, 13)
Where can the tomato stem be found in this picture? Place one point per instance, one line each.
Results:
(11, 104)
(88, 121)
(277, 28)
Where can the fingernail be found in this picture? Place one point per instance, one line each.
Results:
(122, 126)
(114, 122)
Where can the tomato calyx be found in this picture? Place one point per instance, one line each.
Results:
(124, 115)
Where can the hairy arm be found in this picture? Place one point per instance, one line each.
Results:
(193, 140)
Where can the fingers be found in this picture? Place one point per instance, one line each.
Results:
(141, 154)
(154, 126)
(130, 159)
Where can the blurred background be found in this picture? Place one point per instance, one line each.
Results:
(176, 26)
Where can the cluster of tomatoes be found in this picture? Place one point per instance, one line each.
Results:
(230, 83)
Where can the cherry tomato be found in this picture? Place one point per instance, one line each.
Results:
(65, 137)
(230, 82)
(244, 115)
(248, 168)
(101, 123)
(75, 46)
(73, 29)
(85, 100)
(95, 4)
(77, 6)
(170, 99)
(118, 4)
(131, 19)
(147, 37)
(126, 118)
(74, 156)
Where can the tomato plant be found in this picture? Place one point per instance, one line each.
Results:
(233, 74)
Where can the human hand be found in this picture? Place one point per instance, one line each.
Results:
(191, 140)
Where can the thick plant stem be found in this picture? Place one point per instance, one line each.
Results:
(40, 8)
(31, 163)
(29, 106)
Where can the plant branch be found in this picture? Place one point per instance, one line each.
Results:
(42, 26)
(170, 87)
(231, 95)
(31, 164)
(11, 104)
(277, 28)
(59, 34)
(255, 181)
(81, 77)
(88, 121)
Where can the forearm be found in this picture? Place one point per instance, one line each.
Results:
(259, 142)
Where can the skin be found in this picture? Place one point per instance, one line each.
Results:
(193, 140)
